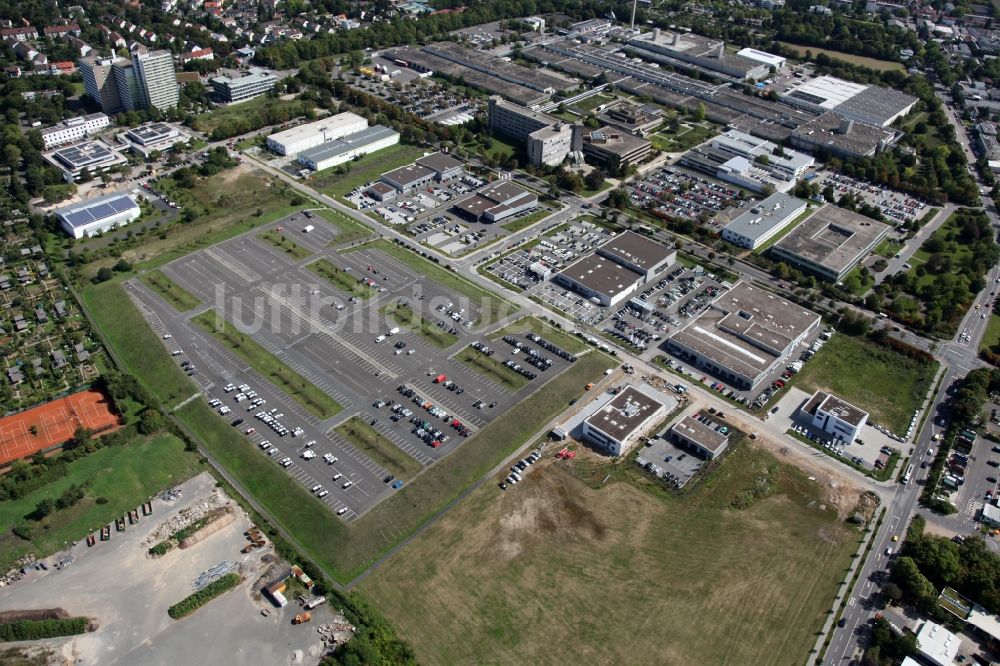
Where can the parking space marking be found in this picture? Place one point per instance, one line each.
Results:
(233, 265)
(413, 450)
(424, 389)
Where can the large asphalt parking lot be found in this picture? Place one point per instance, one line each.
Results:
(293, 313)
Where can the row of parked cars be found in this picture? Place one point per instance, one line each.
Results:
(518, 468)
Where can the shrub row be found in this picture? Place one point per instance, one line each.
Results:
(29, 630)
(192, 603)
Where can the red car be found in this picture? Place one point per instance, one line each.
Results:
(456, 424)
(435, 444)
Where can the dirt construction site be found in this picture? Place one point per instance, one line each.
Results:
(126, 592)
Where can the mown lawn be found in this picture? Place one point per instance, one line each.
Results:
(884, 383)
(295, 385)
(553, 572)
(283, 243)
(491, 306)
(367, 169)
(180, 298)
(492, 368)
(124, 476)
(348, 229)
(370, 442)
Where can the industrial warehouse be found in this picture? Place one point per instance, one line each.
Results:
(98, 215)
(345, 149)
(831, 242)
(743, 336)
(293, 141)
(617, 268)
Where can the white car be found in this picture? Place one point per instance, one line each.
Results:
(337, 476)
(309, 455)
(329, 458)
(167, 336)
(322, 493)
(286, 462)
(347, 485)
(342, 510)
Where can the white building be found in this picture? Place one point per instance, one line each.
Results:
(293, 141)
(764, 57)
(835, 417)
(96, 216)
(74, 129)
(154, 137)
(347, 148)
(936, 644)
(157, 79)
(623, 419)
(254, 84)
(764, 221)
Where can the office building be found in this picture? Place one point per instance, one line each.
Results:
(345, 149)
(837, 418)
(98, 215)
(293, 141)
(936, 644)
(700, 435)
(92, 157)
(99, 82)
(743, 336)
(130, 95)
(255, 83)
(623, 420)
(154, 137)
(631, 117)
(436, 167)
(74, 129)
(157, 79)
(497, 202)
(831, 242)
(765, 220)
(614, 149)
(756, 164)
(548, 140)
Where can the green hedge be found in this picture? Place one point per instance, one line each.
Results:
(203, 596)
(29, 630)
(161, 548)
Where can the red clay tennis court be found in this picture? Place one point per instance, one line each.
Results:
(54, 423)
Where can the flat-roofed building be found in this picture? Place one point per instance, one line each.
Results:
(631, 117)
(614, 149)
(599, 278)
(497, 202)
(703, 52)
(154, 137)
(157, 80)
(99, 82)
(346, 148)
(254, 83)
(765, 220)
(839, 136)
(94, 157)
(74, 129)
(408, 177)
(936, 644)
(763, 57)
(638, 253)
(700, 435)
(548, 140)
(831, 242)
(623, 420)
(444, 166)
(293, 141)
(837, 418)
(869, 104)
(97, 215)
(381, 192)
(743, 336)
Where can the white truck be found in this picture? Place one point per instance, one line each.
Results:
(318, 601)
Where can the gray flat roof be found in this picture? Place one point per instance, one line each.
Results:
(878, 102)
(152, 132)
(347, 143)
(411, 173)
(439, 162)
(623, 414)
(826, 130)
(762, 217)
(831, 404)
(636, 249)
(833, 238)
(693, 429)
(745, 329)
(601, 274)
(87, 153)
(614, 140)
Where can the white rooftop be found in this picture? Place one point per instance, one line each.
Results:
(832, 91)
(937, 644)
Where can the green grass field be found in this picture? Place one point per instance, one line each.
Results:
(371, 443)
(549, 333)
(259, 106)
(493, 306)
(285, 244)
(181, 299)
(524, 222)
(864, 61)
(367, 169)
(348, 229)
(492, 368)
(590, 103)
(991, 338)
(888, 248)
(340, 278)
(888, 385)
(686, 138)
(553, 571)
(124, 475)
(297, 387)
(403, 315)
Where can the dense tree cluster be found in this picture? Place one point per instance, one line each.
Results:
(795, 23)
(257, 117)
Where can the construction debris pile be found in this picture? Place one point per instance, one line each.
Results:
(185, 517)
(337, 632)
(22, 566)
(216, 572)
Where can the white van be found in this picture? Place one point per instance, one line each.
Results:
(379, 339)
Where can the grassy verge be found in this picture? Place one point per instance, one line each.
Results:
(370, 442)
(280, 241)
(553, 547)
(116, 479)
(195, 601)
(348, 229)
(181, 299)
(492, 306)
(491, 368)
(991, 337)
(888, 248)
(340, 278)
(368, 168)
(524, 222)
(890, 386)
(297, 387)
(403, 315)
(549, 333)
